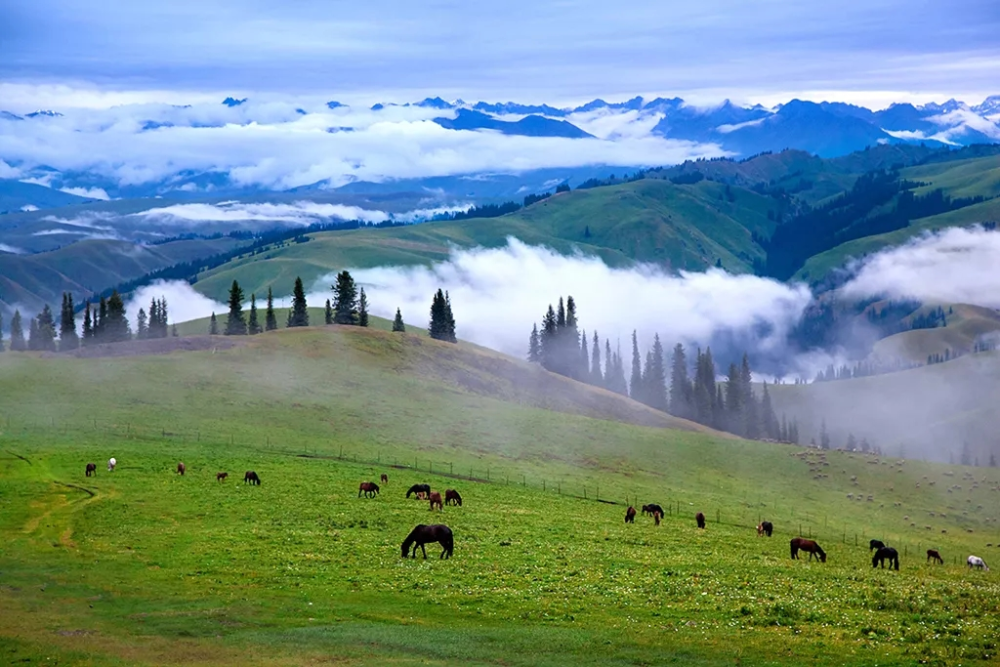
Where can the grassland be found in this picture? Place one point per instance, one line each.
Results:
(965, 324)
(143, 566)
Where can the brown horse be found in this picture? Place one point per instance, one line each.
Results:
(700, 518)
(800, 543)
(932, 554)
(219, 476)
(417, 488)
(251, 477)
(181, 468)
(451, 497)
(764, 528)
(630, 515)
(385, 479)
(436, 500)
(91, 469)
(422, 535)
(368, 488)
(657, 516)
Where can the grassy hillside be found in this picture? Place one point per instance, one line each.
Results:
(965, 324)
(89, 267)
(143, 566)
(685, 227)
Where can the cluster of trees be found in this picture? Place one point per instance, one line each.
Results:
(733, 406)
(442, 326)
(106, 322)
(863, 369)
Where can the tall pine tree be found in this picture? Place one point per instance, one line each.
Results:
(328, 313)
(270, 321)
(236, 323)
(655, 382)
(345, 299)
(363, 309)
(68, 338)
(596, 374)
(680, 384)
(253, 324)
(88, 326)
(442, 326)
(213, 326)
(449, 319)
(141, 325)
(534, 345)
(397, 323)
(33, 334)
(584, 363)
(17, 342)
(635, 383)
(298, 316)
(548, 340)
(46, 330)
(115, 327)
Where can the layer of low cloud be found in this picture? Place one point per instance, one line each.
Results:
(7, 171)
(497, 294)
(955, 266)
(183, 302)
(89, 193)
(10, 249)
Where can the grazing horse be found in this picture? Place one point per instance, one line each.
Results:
(251, 477)
(385, 479)
(630, 515)
(932, 554)
(976, 561)
(181, 468)
(369, 489)
(219, 476)
(657, 516)
(436, 500)
(422, 535)
(451, 497)
(700, 518)
(111, 464)
(649, 509)
(767, 527)
(814, 549)
(91, 469)
(417, 488)
(875, 544)
(886, 554)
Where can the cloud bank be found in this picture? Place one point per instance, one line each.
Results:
(183, 302)
(302, 213)
(954, 266)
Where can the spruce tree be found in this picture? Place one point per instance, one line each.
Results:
(152, 321)
(751, 419)
(734, 401)
(680, 384)
(298, 316)
(363, 309)
(548, 343)
(141, 325)
(270, 321)
(17, 342)
(596, 374)
(345, 299)
(609, 365)
(442, 326)
(449, 319)
(68, 338)
(769, 421)
(635, 383)
(534, 350)
(115, 327)
(824, 437)
(584, 363)
(993, 460)
(328, 313)
(253, 324)
(655, 382)
(88, 327)
(570, 344)
(46, 331)
(32, 334)
(100, 320)
(397, 323)
(236, 323)
(213, 326)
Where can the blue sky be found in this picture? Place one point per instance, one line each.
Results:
(561, 51)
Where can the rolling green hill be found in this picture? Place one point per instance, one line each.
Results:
(144, 566)
(965, 324)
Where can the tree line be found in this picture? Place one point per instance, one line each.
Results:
(731, 405)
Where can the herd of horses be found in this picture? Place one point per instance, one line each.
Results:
(439, 533)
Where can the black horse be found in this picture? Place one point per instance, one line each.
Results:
(766, 528)
(886, 554)
(417, 488)
(650, 509)
(875, 544)
(422, 535)
(251, 477)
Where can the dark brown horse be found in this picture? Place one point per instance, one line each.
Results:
(630, 515)
(251, 477)
(422, 535)
(886, 554)
(451, 497)
(700, 518)
(657, 516)
(219, 476)
(417, 488)
(91, 469)
(181, 468)
(932, 554)
(875, 544)
(800, 543)
(765, 528)
(385, 479)
(436, 500)
(653, 507)
(369, 489)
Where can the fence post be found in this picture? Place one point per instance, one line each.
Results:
(543, 485)
(451, 468)
(559, 488)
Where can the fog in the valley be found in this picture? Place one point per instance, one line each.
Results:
(183, 302)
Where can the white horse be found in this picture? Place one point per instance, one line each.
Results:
(111, 464)
(976, 561)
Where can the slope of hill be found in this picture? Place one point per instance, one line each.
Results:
(965, 324)
(16, 196)
(157, 568)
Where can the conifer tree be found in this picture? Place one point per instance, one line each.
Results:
(363, 309)
(584, 363)
(751, 416)
(115, 328)
(397, 324)
(783, 431)
(570, 343)
(609, 364)
(68, 338)
(17, 343)
(253, 324)
(769, 421)
(298, 316)
(680, 384)
(596, 374)
(213, 326)
(704, 389)
(449, 319)
(345, 299)
(655, 382)
(173, 330)
(993, 460)
(734, 401)
(88, 327)
(621, 385)
(824, 437)
(635, 382)
(442, 324)
(328, 313)
(33, 334)
(534, 350)
(100, 320)
(793, 432)
(141, 325)
(46, 330)
(270, 321)
(236, 323)
(548, 343)
(152, 321)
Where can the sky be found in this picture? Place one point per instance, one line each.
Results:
(105, 52)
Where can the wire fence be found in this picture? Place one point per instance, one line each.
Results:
(676, 503)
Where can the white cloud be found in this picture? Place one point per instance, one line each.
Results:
(497, 294)
(29, 208)
(955, 266)
(89, 193)
(87, 220)
(7, 171)
(183, 302)
(11, 249)
(298, 213)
